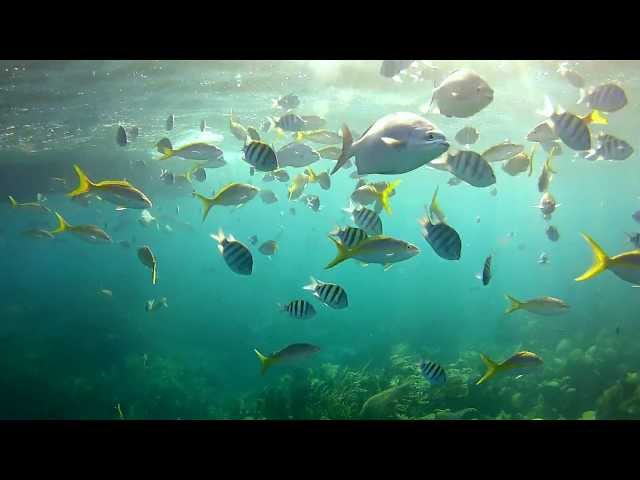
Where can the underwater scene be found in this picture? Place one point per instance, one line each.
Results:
(312, 240)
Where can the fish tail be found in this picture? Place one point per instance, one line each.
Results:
(207, 203)
(298, 136)
(85, 183)
(583, 96)
(515, 304)
(347, 141)
(596, 117)
(311, 174)
(386, 193)
(342, 255)
(548, 109)
(492, 369)
(13, 201)
(265, 362)
(600, 262)
(312, 286)
(63, 225)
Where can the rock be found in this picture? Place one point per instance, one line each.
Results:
(588, 415)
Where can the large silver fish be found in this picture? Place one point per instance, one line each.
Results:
(462, 94)
(396, 143)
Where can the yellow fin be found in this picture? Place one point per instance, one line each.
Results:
(207, 203)
(342, 255)
(63, 225)
(600, 262)
(167, 154)
(265, 362)
(154, 273)
(492, 369)
(13, 201)
(85, 184)
(386, 193)
(596, 117)
(515, 304)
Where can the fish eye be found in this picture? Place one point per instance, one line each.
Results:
(430, 136)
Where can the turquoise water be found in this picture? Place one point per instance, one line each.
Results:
(68, 351)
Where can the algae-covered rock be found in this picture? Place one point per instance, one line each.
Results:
(382, 405)
(588, 415)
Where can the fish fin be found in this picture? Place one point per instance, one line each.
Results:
(600, 263)
(386, 193)
(85, 184)
(120, 209)
(63, 225)
(163, 145)
(219, 237)
(298, 136)
(349, 210)
(492, 369)
(583, 95)
(533, 151)
(479, 276)
(12, 201)
(207, 203)
(548, 109)
(342, 255)
(167, 154)
(387, 266)
(279, 133)
(154, 274)
(265, 362)
(345, 154)
(312, 286)
(596, 117)
(515, 304)
(392, 142)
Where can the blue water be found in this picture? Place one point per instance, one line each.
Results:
(68, 351)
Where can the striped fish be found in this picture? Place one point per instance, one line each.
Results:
(290, 123)
(261, 156)
(572, 129)
(330, 294)
(171, 120)
(608, 97)
(121, 136)
(299, 309)
(486, 271)
(366, 219)
(471, 167)
(349, 236)
(444, 240)
(467, 136)
(237, 257)
(433, 372)
(610, 148)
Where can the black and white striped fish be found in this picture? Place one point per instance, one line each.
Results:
(261, 156)
(299, 309)
(572, 129)
(366, 219)
(236, 255)
(433, 372)
(349, 236)
(471, 167)
(171, 120)
(290, 122)
(330, 294)
(444, 240)
(608, 97)
(610, 148)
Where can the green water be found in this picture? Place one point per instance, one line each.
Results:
(68, 351)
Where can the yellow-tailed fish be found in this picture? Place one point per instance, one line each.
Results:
(519, 360)
(28, 205)
(624, 265)
(233, 194)
(377, 249)
(89, 233)
(295, 351)
(118, 192)
(540, 306)
(148, 259)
